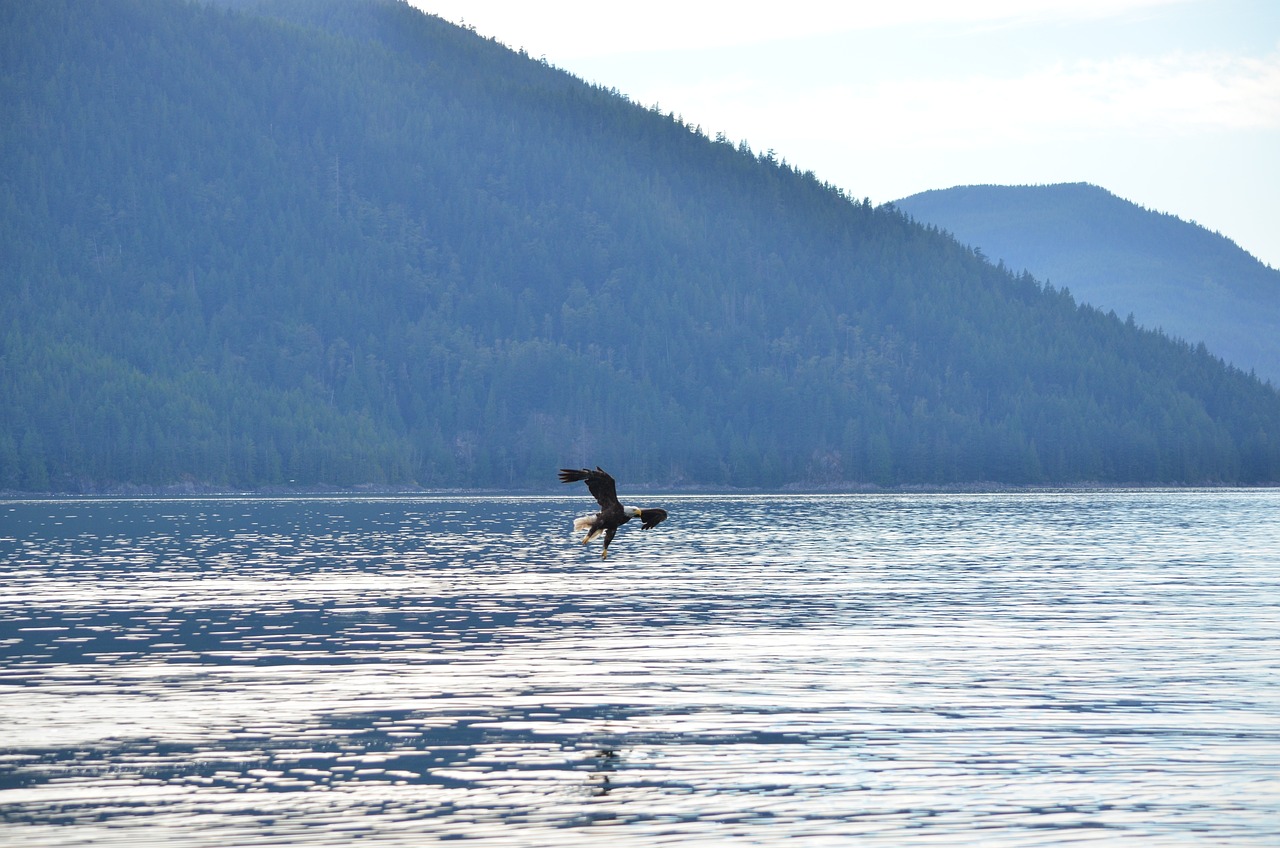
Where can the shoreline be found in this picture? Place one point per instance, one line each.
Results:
(192, 491)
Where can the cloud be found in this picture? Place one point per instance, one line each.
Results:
(1137, 96)
(564, 30)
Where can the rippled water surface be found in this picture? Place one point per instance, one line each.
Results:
(1026, 669)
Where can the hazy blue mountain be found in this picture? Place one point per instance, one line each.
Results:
(334, 242)
(1170, 274)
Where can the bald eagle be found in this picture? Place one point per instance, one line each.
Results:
(612, 514)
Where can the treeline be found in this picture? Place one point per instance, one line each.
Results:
(334, 243)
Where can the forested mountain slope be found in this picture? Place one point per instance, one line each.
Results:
(335, 243)
(1171, 274)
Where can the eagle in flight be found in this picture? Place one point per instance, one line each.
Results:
(612, 514)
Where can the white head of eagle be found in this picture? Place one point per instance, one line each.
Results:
(612, 514)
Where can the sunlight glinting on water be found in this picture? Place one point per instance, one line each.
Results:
(1020, 669)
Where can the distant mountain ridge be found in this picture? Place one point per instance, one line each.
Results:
(315, 243)
(1169, 273)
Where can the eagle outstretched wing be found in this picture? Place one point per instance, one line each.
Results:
(599, 483)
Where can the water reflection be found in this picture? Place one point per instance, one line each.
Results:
(1003, 669)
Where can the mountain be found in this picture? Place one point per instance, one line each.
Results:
(334, 242)
(1170, 274)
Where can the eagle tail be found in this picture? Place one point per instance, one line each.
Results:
(584, 523)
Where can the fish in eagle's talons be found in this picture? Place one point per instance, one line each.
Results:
(612, 514)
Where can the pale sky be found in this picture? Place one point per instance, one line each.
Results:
(1172, 104)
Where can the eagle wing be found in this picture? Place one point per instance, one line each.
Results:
(599, 483)
(650, 518)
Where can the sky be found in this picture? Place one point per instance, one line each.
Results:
(1171, 104)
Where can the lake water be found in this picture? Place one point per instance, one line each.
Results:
(1002, 669)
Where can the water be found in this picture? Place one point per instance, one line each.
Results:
(1025, 669)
